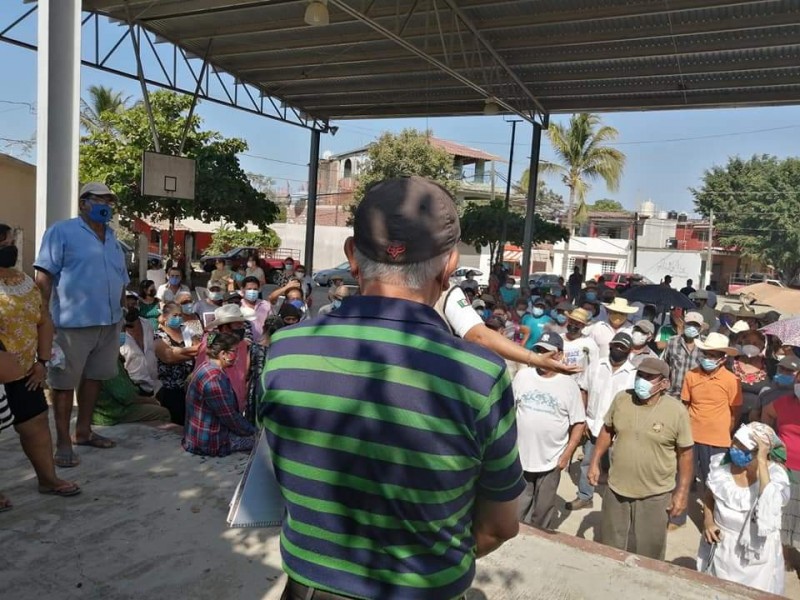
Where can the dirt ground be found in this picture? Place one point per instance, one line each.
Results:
(151, 524)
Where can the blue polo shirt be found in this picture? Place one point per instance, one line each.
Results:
(89, 275)
(384, 429)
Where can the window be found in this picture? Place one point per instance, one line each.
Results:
(155, 236)
(571, 264)
(608, 266)
(702, 236)
(348, 168)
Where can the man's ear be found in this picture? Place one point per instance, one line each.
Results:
(452, 265)
(350, 253)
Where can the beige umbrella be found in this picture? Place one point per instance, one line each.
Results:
(785, 300)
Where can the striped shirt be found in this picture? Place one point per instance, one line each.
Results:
(383, 429)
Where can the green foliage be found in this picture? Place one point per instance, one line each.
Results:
(406, 153)
(607, 205)
(481, 225)
(101, 100)
(549, 204)
(755, 204)
(227, 238)
(113, 155)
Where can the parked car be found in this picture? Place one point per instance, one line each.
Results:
(324, 277)
(460, 274)
(543, 280)
(615, 280)
(271, 262)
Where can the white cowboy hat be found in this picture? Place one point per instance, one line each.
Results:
(228, 313)
(248, 313)
(621, 305)
(739, 327)
(716, 342)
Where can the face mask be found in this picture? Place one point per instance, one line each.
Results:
(187, 309)
(639, 338)
(557, 293)
(643, 388)
(8, 256)
(238, 277)
(300, 274)
(618, 355)
(215, 296)
(174, 322)
(336, 303)
(521, 313)
(750, 351)
(574, 329)
(122, 338)
(509, 286)
(251, 295)
(708, 364)
(560, 319)
(591, 296)
(100, 213)
(783, 380)
(691, 332)
(288, 268)
(537, 311)
(739, 457)
(174, 280)
(250, 265)
(132, 315)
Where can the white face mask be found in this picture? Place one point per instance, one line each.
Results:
(639, 338)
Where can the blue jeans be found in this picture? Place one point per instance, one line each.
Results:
(585, 489)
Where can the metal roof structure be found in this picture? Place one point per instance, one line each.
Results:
(446, 57)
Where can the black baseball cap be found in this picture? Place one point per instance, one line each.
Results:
(552, 342)
(623, 339)
(406, 220)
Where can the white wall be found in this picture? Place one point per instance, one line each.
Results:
(594, 263)
(680, 264)
(328, 242)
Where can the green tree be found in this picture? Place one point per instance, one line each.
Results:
(101, 100)
(406, 153)
(755, 204)
(223, 191)
(549, 204)
(607, 205)
(226, 238)
(583, 156)
(481, 225)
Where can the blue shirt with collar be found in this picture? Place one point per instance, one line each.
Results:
(89, 274)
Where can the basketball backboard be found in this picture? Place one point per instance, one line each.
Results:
(168, 176)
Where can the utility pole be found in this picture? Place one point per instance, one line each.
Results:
(504, 230)
(635, 240)
(710, 256)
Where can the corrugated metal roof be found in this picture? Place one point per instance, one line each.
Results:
(444, 57)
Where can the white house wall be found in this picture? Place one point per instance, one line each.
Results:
(681, 265)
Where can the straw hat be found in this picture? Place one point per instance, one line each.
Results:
(579, 315)
(621, 305)
(716, 342)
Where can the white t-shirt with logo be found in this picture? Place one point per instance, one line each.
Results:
(546, 408)
(582, 352)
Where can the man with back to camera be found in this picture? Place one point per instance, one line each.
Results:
(380, 421)
(81, 274)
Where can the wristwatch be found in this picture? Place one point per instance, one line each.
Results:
(45, 363)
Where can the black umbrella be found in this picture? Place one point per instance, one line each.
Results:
(659, 295)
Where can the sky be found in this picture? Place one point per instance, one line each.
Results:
(667, 151)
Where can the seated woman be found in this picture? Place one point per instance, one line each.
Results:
(191, 322)
(138, 353)
(175, 362)
(119, 401)
(746, 491)
(214, 425)
(149, 306)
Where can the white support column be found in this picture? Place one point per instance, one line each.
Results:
(58, 106)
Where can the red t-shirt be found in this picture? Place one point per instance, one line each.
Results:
(788, 410)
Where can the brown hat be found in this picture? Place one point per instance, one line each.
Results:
(406, 220)
(654, 366)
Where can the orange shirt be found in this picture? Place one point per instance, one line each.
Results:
(710, 398)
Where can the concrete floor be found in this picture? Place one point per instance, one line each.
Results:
(151, 524)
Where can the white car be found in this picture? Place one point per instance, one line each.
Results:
(460, 274)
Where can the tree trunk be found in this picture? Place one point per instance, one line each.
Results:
(570, 207)
(492, 254)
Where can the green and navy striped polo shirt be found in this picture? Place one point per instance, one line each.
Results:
(384, 428)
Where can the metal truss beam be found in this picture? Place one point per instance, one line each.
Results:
(172, 68)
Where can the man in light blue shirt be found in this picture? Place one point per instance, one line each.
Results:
(82, 276)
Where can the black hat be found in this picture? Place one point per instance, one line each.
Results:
(552, 342)
(406, 220)
(623, 339)
(790, 363)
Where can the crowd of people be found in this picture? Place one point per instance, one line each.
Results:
(417, 413)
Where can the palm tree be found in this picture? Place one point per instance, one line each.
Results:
(583, 156)
(101, 100)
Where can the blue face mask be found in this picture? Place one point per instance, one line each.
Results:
(174, 322)
(642, 388)
(739, 457)
(100, 213)
(708, 364)
(537, 311)
(691, 332)
(238, 277)
(560, 319)
(215, 296)
(174, 280)
(591, 296)
(251, 295)
(783, 380)
(122, 338)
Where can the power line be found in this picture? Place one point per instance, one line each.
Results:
(275, 160)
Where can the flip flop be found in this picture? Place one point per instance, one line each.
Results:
(64, 491)
(66, 460)
(97, 441)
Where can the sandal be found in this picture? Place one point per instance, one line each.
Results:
(97, 441)
(66, 460)
(65, 490)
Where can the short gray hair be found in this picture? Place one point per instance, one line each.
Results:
(413, 275)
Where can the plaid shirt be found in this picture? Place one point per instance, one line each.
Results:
(680, 360)
(211, 413)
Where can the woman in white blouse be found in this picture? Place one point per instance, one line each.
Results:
(747, 489)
